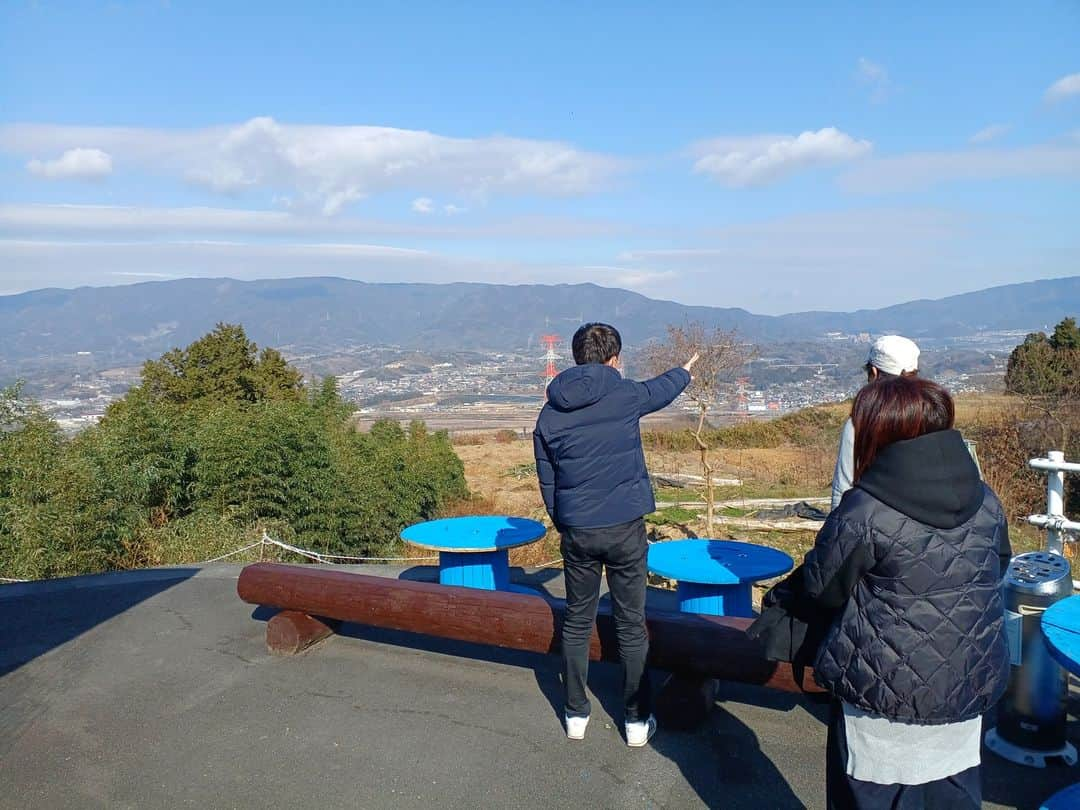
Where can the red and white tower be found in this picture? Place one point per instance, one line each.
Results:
(742, 401)
(550, 371)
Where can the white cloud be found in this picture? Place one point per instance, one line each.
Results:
(423, 205)
(1064, 87)
(45, 263)
(921, 170)
(79, 163)
(811, 240)
(37, 264)
(990, 133)
(328, 167)
(631, 278)
(875, 76)
(223, 247)
(41, 263)
(741, 162)
(124, 222)
(845, 260)
(871, 71)
(838, 261)
(450, 209)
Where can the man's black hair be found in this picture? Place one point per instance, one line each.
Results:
(596, 343)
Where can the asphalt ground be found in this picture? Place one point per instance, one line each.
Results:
(154, 689)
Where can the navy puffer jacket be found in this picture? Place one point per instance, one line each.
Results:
(587, 444)
(912, 560)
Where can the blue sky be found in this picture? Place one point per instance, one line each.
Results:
(777, 157)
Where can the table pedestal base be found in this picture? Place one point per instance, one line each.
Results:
(715, 600)
(525, 589)
(486, 570)
(1028, 756)
(684, 702)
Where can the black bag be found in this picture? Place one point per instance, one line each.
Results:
(791, 626)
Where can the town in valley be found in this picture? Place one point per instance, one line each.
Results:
(487, 390)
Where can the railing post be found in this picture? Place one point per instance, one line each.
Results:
(1055, 502)
(1054, 521)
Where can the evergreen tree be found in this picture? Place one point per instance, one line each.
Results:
(1045, 371)
(1047, 367)
(273, 378)
(223, 366)
(1066, 335)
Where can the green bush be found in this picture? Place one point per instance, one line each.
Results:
(671, 515)
(390, 479)
(190, 469)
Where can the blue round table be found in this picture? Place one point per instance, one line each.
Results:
(473, 551)
(715, 577)
(1061, 628)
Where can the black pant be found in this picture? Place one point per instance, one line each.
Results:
(961, 791)
(622, 551)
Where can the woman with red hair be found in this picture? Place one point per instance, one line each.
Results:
(906, 577)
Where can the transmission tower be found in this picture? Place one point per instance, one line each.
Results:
(551, 341)
(742, 401)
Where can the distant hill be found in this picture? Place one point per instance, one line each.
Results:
(127, 324)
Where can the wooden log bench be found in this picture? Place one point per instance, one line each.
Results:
(312, 601)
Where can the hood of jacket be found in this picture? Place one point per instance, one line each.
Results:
(931, 479)
(581, 386)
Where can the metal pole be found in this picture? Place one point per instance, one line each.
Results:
(1055, 501)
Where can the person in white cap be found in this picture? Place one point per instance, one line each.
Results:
(890, 356)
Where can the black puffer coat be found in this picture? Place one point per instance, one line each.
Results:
(913, 559)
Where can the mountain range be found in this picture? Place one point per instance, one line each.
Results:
(127, 324)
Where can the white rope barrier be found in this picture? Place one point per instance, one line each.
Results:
(303, 552)
(320, 557)
(316, 556)
(233, 553)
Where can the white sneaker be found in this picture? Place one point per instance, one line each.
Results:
(637, 734)
(575, 727)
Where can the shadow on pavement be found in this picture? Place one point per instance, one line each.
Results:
(40, 616)
(537, 579)
(722, 761)
(816, 704)
(724, 764)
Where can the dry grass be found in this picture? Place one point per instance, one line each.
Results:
(493, 473)
(799, 466)
(469, 439)
(489, 471)
(978, 409)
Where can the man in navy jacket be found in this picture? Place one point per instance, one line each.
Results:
(596, 489)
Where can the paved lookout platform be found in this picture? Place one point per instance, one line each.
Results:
(154, 689)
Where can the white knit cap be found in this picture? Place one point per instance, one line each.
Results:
(894, 355)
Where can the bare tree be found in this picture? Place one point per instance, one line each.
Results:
(720, 355)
